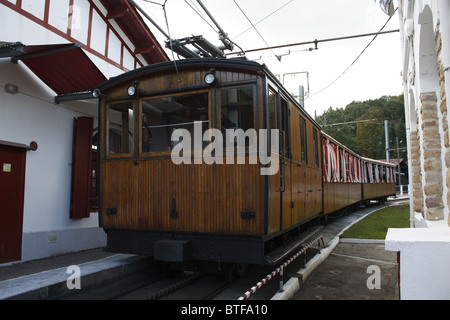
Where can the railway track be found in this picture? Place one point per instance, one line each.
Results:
(156, 283)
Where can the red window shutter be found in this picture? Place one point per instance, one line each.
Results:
(81, 168)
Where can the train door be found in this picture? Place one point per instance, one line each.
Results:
(275, 181)
(285, 165)
(12, 182)
(317, 173)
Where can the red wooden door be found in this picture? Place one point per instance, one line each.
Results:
(12, 182)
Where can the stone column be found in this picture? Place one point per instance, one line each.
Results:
(432, 164)
(443, 109)
(417, 189)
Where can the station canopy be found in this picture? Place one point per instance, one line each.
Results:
(65, 68)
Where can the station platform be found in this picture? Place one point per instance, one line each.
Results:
(48, 278)
(354, 270)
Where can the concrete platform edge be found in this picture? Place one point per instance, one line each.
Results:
(295, 283)
(45, 285)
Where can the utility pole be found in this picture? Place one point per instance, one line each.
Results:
(398, 165)
(386, 135)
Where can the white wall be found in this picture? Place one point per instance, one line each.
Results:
(31, 115)
(425, 249)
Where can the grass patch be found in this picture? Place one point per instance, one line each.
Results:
(376, 225)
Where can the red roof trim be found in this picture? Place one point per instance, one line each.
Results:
(64, 68)
(132, 24)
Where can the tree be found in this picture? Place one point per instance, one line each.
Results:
(361, 125)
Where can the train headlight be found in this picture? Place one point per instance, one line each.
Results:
(210, 78)
(131, 90)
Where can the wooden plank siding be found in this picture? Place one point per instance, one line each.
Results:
(377, 190)
(307, 178)
(302, 198)
(208, 198)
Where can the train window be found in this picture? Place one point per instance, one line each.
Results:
(120, 128)
(303, 140)
(316, 147)
(286, 148)
(237, 108)
(376, 175)
(163, 115)
(272, 110)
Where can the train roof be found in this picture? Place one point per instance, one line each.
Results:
(205, 62)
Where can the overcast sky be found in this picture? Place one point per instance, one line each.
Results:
(375, 74)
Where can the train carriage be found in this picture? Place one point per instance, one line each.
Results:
(350, 180)
(163, 190)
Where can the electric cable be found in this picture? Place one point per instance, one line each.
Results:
(278, 58)
(170, 42)
(357, 58)
(200, 14)
(169, 36)
(266, 17)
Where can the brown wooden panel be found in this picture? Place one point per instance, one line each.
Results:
(354, 193)
(298, 194)
(309, 193)
(378, 190)
(274, 203)
(328, 197)
(318, 190)
(369, 191)
(287, 197)
(207, 198)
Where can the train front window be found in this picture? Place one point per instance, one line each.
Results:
(120, 128)
(236, 112)
(161, 116)
(237, 109)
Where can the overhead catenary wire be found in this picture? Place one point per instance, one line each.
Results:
(316, 41)
(170, 41)
(195, 9)
(167, 35)
(254, 27)
(266, 17)
(357, 58)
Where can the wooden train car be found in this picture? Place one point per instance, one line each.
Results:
(234, 206)
(350, 180)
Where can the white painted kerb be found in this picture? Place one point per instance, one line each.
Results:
(293, 284)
